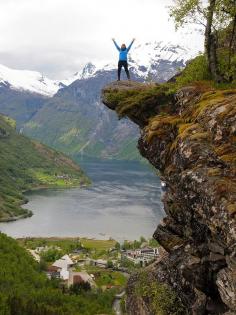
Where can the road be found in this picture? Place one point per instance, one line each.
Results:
(116, 305)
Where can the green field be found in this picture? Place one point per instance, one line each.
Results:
(105, 277)
(98, 244)
(68, 243)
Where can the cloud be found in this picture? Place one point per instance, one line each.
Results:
(57, 36)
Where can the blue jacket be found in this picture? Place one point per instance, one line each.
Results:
(123, 53)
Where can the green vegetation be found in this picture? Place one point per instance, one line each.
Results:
(219, 20)
(67, 244)
(50, 255)
(24, 290)
(162, 299)
(133, 102)
(196, 70)
(57, 247)
(98, 244)
(138, 243)
(106, 277)
(25, 165)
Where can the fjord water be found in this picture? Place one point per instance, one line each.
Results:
(123, 202)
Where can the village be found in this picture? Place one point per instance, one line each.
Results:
(92, 264)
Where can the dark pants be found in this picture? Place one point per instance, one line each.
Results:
(123, 63)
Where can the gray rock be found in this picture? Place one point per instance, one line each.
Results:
(226, 282)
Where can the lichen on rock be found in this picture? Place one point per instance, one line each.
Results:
(189, 135)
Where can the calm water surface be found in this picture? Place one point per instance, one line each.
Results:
(124, 202)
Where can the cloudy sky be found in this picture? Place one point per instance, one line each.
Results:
(57, 37)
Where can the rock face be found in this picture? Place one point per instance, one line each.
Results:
(190, 137)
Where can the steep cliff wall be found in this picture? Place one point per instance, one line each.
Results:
(190, 137)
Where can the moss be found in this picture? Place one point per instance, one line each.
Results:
(214, 171)
(184, 127)
(200, 136)
(226, 152)
(224, 187)
(162, 300)
(159, 125)
(208, 102)
(187, 129)
(229, 157)
(145, 99)
(232, 208)
(214, 99)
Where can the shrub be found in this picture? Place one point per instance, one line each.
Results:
(162, 300)
(196, 70)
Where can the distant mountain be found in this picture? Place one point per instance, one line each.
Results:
(153, 61)
(28, 81)
(69, 116)
(147, 61)
(27, 164)
(74, 121)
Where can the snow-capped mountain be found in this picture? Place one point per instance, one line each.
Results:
(72, 118)
(25, 80)
(156, 61)
(146, 61)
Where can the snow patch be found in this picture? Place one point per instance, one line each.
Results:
(26, 80)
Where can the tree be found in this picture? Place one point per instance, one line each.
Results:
(142, 239)
(214, 15)
(77, 288)
(110, 264)
(117, 246)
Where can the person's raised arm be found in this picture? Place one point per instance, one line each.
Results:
(130, 45)
(115, 43)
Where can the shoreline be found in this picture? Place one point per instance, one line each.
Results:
(61, 238)
(29, 213)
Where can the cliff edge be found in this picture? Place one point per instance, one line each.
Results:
(189, 136)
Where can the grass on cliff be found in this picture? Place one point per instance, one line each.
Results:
(146, 99)
(25, 165)
(160, 298)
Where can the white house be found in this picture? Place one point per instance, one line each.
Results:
(142, 256)
(64, 264)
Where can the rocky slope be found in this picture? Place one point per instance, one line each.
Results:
(190, 137)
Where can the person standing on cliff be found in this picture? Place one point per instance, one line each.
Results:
(123, 50)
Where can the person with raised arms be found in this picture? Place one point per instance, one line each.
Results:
(123, 55)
